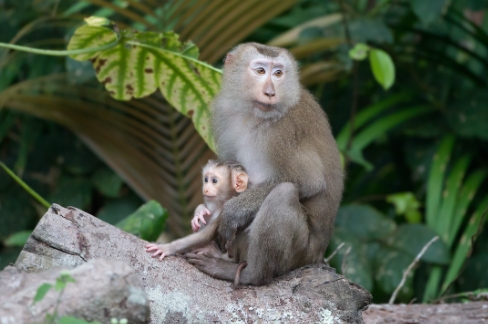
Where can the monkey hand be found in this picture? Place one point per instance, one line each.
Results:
(200, 212)
(160, 249)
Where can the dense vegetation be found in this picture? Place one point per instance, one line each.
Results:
(414, 154)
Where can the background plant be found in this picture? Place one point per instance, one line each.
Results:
(414, 154)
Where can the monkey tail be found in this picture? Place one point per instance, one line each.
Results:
(241, 266)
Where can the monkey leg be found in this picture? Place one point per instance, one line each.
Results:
(277, 241)
(212, 250)
(278, 237)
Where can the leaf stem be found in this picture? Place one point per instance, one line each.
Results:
(136, 43)
(25, 186)
(61, 52)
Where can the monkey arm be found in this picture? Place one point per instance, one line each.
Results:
(239, 211)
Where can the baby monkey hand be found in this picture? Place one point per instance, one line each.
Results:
(200, 212)
(160, 249)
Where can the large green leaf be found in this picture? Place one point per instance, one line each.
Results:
(411, 238)
(388, 271)
(427, 10)
(147, 222)
(436, 180)
(468, 116)
(465, 244)
(364, 222)
(153, 147)
(144, 62)
(357, 265)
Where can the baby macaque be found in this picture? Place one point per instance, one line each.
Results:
(221, 182)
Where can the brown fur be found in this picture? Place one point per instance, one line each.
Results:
(208, 233)
(285, 218)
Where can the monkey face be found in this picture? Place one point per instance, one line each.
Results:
(221, 182)
(261, 80)
(267, 75)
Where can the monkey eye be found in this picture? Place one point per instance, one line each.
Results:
(260, 70)
(214, 180)
(206, 179)
(278, 73)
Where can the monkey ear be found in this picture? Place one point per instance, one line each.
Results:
(228, 58)
(239, 181)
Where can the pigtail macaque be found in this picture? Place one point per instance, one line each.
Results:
(265, 120)
(221, 182)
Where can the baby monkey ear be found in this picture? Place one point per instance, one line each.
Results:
(239, 180)
(228, 58)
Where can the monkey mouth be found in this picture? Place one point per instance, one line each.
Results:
(209, 196)
(263, 106)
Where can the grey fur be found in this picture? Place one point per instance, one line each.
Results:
(284, 219)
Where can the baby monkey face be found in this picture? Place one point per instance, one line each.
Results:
(223, 181)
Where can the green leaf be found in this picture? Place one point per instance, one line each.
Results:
(477, 5)
(436, 180)
(367, 29)
(411, 238)
(468, 116)
(466, 195)
(388, 271)
(406, 204)
(147, 222)
(474, 276)
(17, 239)
(367, 114)
(464, 246)
(427, 11)
(24, 186)
(356, 259)
(74, 320)
(378, 129)
(113, 211)
(382, 67)
(144, 62)
(450, 197)
(7, 120)
(107, 182)
(41, 292)
(432, 286)
(76, 192)
(359, 52)
(97, 21)
(364, 222)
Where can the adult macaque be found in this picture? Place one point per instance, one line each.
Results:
(266, 121)
(221, 182)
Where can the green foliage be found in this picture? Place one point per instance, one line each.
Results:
(25, 186)
(418, 150)
(411, 238)
(448, 197)
(60, 285)
(382, 67)
(143, 62)
(381, 249)
(381, 63)
(147, 222)
(17, 239)
(375, 127)
(107, 182)
(468, 116)
(41, 292)
(428, 11)
(406, 204)
(73, 320)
